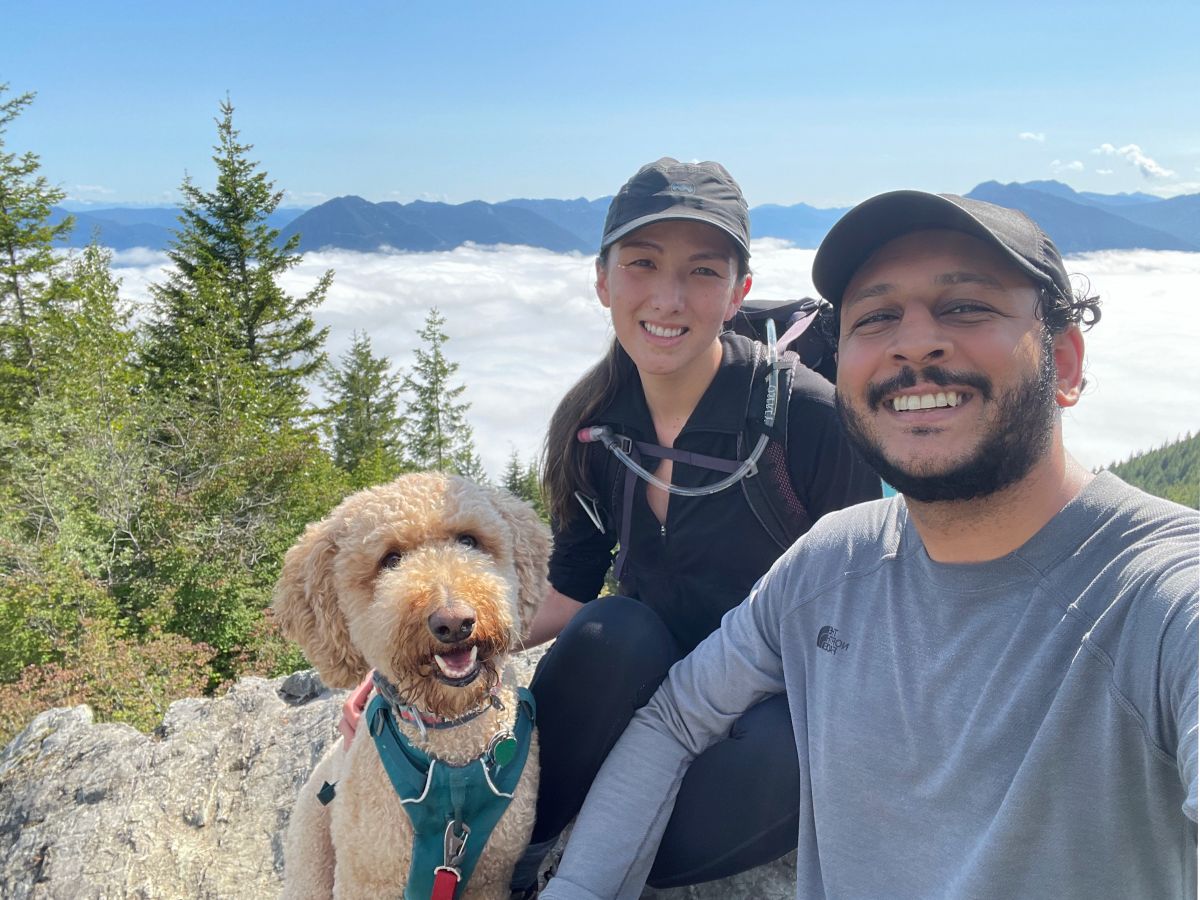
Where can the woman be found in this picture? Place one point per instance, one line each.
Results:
(677, 391)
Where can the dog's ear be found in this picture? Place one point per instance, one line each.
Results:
(306, 606)
(531, 551)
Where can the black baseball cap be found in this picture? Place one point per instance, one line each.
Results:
(669, 189)
(874, 222)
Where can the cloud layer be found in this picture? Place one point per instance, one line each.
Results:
(524, 324)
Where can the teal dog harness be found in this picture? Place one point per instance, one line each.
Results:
(453, 809)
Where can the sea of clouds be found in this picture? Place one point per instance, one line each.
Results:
(524, 324)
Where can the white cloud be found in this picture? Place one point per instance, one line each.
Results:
(409, 197)
(1135, 398)
(88, 193)
(1175, 189)
(1035, 136)
(304, 198)
(524, 324)
(1104, 171)
(1059, 166)
(1134, 154)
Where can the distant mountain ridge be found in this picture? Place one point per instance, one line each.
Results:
(1077, 227)
(126, 227)
(1077, 221)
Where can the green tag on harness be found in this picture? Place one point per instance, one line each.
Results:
(502, 748)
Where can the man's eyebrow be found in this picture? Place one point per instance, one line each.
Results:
(951, 278)
(874, 290)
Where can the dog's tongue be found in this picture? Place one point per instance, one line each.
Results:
(457, 659)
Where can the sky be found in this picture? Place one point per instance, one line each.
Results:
(803, 102)
(524, 323)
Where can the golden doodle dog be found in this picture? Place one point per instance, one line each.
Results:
(430, 581)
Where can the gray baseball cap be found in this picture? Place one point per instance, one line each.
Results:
(669, 189)
(874, 222)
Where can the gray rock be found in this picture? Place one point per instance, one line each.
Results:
(197, 810)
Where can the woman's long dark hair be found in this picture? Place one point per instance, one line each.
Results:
(564, 458)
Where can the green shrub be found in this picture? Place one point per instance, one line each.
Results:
(121, 678)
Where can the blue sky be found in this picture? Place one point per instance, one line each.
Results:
(822, 103)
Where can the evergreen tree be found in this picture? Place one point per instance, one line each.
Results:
(224, 297)
(511, 479)
(27, 263)
(238, 471)
(524, 482)
(436, 433)
(1171, 471)
(364, 421)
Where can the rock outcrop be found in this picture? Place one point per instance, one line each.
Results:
(196, 810)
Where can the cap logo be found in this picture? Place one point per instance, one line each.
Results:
(681, 187)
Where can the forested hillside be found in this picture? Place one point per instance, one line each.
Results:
(154, 470)
(1171, 471)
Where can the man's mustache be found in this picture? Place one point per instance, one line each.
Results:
(908, 378)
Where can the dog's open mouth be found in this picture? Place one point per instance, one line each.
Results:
(458, 667)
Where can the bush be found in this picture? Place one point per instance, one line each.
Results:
(44, 601)
(121, 678)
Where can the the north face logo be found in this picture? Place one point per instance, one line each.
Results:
(828, 640)
(681, 187)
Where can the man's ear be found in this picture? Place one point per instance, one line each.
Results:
(1068, 360)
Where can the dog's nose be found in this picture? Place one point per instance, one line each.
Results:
(451, 624)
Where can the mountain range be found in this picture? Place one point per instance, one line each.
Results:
(1078, 221)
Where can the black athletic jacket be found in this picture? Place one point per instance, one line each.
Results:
(712, 549)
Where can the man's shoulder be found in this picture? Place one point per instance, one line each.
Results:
(1136, 529)
(1137, 569)
(852, 539)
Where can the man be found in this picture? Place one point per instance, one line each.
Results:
(992, 678)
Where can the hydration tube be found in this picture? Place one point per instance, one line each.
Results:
(605, 435)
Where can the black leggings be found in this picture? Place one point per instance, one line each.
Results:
(739, 803)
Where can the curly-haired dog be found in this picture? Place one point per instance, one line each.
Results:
(429, 580)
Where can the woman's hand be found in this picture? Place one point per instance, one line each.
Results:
(352, 710)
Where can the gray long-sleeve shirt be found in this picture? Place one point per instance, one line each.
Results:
(1024, 727)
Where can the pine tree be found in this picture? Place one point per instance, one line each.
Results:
(224, 294)
(27, 262)
(364, 420)
(523, 481)
(237, 461)
(436, 433)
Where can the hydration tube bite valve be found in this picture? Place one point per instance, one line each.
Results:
(620, 447)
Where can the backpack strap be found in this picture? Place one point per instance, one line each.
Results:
(770, 493)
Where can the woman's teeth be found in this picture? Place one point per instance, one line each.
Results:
(925, 401)
(659, 331)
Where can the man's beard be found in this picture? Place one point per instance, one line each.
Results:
(1018, 437)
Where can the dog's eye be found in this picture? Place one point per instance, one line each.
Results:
(468, 541)
(391, 560)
